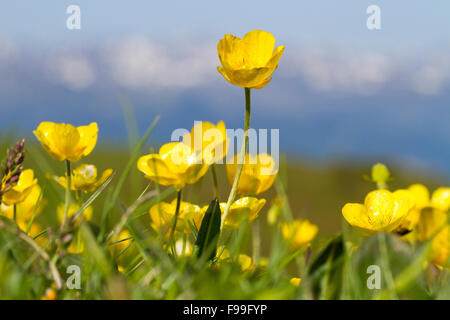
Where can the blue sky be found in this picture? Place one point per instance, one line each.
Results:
(407, 22)
(340, 90)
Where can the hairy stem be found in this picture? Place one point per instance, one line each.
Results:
(241, 158)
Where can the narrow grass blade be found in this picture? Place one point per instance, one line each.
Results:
(94, 196)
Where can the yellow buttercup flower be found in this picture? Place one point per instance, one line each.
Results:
(258, 174)
(427, 216)
(295, 281)
(73, 208)
(176, 164)
(249, 62)
(441, 199)
(29, 206)
(66, 142)
(162, 216)
(298, 232)
(382, 210)
(421, 195)
(246, 208)
(440, 248)
(245, 262)
(84, 178)
(209, 140)
(21, 189)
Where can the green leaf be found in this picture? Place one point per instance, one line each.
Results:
(208, 235)
(326, 270)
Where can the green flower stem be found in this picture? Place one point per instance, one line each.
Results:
(241, 158)
(256, 242)
(67, 201)
(15, 212)
(177, 212)
(384, 256)
(216, 185)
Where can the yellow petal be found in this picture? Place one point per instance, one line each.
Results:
(355, 214)
(273, 62)
(431, 220)
(156, 169)
(440, 248)
(441, 199)
(230, 52)
(208, 139)
(66, 138)
(298, 232)
(59, 140)
(246, 208)
(257, 48)
(249, 78)
(258, 174)
(88, 137)
(21, 189)
(161, 215)
(421, 195)
(105, 175)
(245, 262)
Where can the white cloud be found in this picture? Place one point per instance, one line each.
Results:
(139, 63)
(430, 79)
(75, 72)
(8, 50)
(348, 72)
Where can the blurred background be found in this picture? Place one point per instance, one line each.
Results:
(343, 97)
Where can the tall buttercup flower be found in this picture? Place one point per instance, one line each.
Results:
(84, 178)
(66, 142)
(176, 164)
(250, 61)
(162, 215)
(382, 210)
(258, 174)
